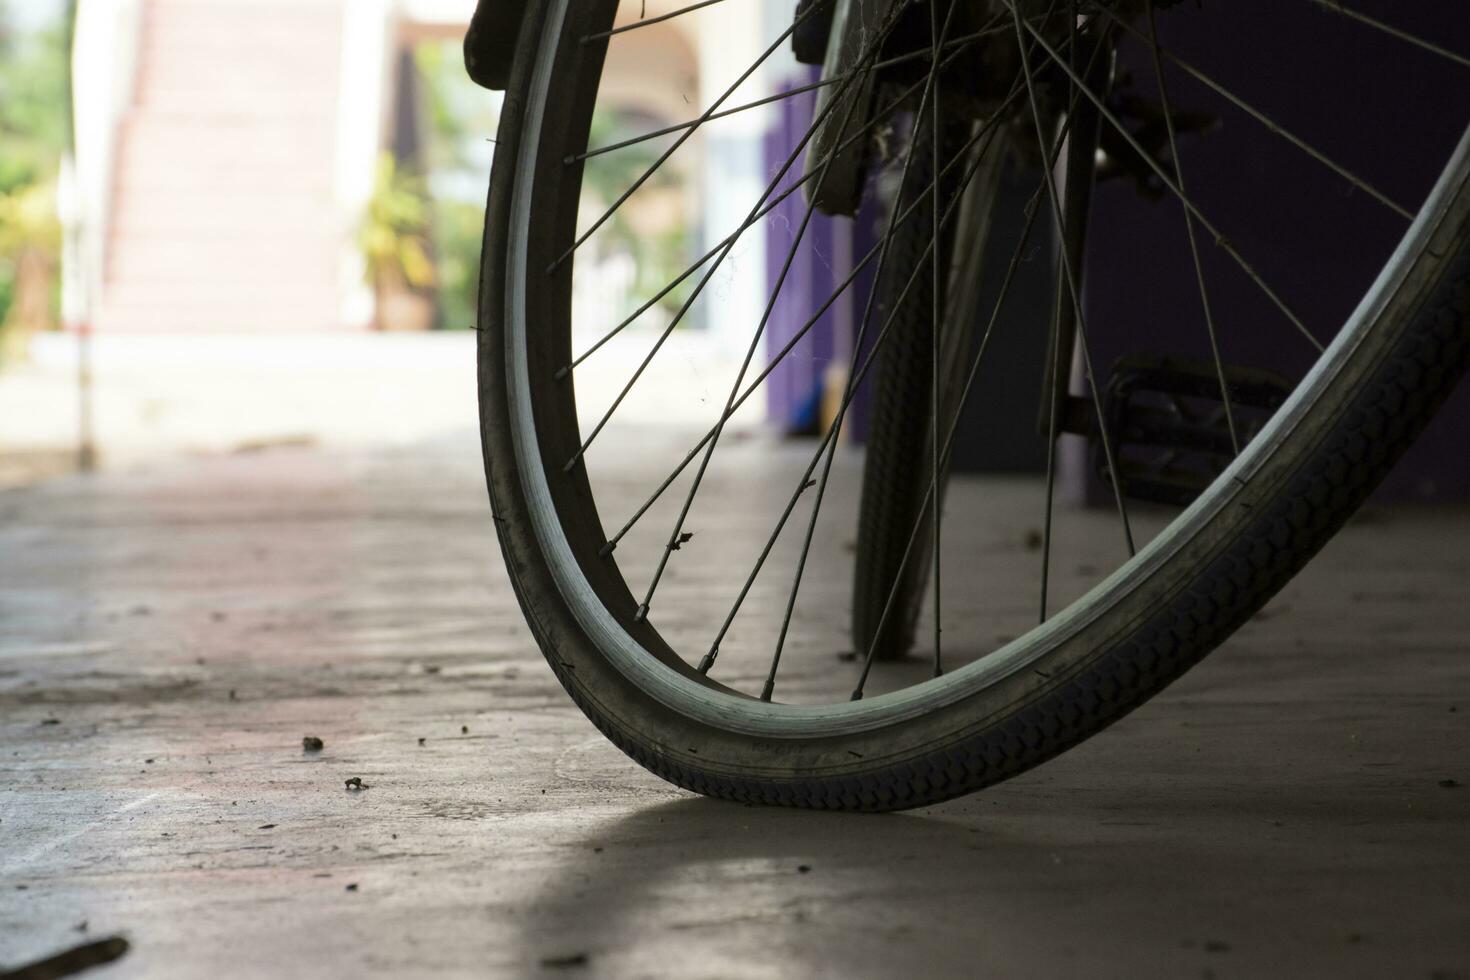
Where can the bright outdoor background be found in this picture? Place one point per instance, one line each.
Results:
(267, 226)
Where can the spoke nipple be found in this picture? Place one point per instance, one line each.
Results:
(571, 464)
(607, 549)
(561, 374)
(642, 614)
(856, 696)
(768, 690)
(709, 660)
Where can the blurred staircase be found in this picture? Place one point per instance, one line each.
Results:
(224, 217)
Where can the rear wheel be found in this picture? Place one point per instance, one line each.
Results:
(930, 325)
(703, 713)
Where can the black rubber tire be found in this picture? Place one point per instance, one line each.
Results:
(897, 452)
(1234, 550)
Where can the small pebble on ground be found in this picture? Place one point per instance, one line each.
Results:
(573, 959)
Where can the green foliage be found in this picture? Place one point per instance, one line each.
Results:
(33, 87)
(394, 233)
(33, 120)
(7, 287)
(28, 219)
(461, 119)
(458, 230)
(442, 72)
(659, 257)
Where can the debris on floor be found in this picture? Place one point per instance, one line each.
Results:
(70, 962)
(356, 783)
(556, 962)
(310, 743)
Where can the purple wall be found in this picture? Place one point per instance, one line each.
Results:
(1354, 93)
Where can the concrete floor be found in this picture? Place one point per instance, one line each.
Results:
(1293, 808)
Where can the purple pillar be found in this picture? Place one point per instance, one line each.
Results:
(824, 259)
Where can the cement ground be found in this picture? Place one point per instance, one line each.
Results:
(1297, 806)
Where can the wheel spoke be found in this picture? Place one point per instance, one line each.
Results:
(947, 451)
(1337, 8)
(1055, 368)
(1051, 457)
(1073, 291)
(986, 134)
(1265, 120)
(1005, 287)
(650, 21)
(776, 361)
(964, 41)
(691, 123)
(770, 206)
(653, 167)
(1015, 261)
(675, 536)
(1220, 240)
(936, 266)
(1199, 269)
(932, 256)
(749, 221)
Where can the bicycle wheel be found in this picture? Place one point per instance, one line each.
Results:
(889, 576)
(623, 615)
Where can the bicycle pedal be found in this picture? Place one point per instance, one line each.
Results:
(1168, 428)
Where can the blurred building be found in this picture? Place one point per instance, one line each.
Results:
(226, 148)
